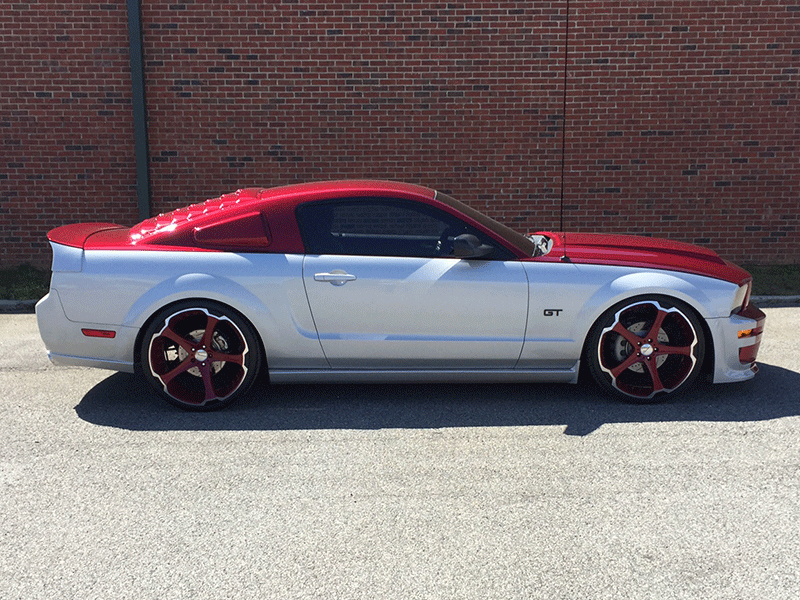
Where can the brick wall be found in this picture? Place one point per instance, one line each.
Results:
(682, 115)
(686, 123)
(66, 129)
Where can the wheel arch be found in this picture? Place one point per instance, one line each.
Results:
(705, 302)
(172, 292)
(707, 366)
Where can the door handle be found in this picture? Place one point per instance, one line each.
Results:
(335, 278)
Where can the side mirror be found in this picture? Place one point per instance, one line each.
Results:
(467, 245)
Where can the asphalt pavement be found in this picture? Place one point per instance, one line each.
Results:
(401, 491)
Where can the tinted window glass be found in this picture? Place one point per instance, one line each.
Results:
(381, 227)
(383, 220)
(517, 239)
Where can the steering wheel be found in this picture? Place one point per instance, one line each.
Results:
(444, 246)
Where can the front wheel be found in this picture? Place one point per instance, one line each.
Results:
(200, 355)
(645, 349)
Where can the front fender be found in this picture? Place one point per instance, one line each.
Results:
(710, 298)
(568, 298)
(632, 285)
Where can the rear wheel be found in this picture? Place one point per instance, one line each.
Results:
(200, 355)
(645, 349)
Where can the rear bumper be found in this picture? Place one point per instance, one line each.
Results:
(736, 343)
(67, 344)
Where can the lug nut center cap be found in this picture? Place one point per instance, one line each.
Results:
(201, 355)
(646, 349)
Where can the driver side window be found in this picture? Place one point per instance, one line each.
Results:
(379, 227)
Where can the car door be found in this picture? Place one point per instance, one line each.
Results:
(385, 292)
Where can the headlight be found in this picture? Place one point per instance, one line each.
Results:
(742, 297)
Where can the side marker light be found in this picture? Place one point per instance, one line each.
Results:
(99, 333)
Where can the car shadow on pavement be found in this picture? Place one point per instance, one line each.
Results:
(125, 401)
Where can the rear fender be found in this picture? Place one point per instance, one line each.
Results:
(287, 342)
(202, 286)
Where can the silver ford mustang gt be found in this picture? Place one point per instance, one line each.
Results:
(364, 281)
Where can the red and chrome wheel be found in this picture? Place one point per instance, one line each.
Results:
(645, 349)
(200, 356)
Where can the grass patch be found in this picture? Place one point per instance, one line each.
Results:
(23, 283)
(775, 280)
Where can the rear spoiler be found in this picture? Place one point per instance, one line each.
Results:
(75, 235)
(68, 242)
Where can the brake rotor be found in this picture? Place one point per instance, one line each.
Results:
(623, 349)
(218, 343)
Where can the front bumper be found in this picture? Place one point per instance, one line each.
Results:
(736, 343)
(67, 344)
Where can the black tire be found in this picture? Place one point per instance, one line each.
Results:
(645, 349)
(200, 355)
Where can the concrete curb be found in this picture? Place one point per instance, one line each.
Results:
(776, 300)
(17, 306)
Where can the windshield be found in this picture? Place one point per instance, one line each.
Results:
(514, 238)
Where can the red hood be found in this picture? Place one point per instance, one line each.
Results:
(645, 252)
